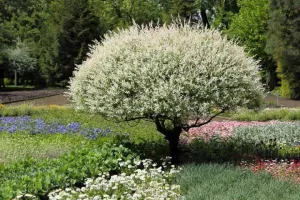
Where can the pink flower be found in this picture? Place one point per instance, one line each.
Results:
(223, 129)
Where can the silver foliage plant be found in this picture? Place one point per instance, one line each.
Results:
(179, 71)
(173, 73)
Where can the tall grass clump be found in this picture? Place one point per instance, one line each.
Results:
(226, 182)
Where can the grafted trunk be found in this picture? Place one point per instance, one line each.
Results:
(172, 135)
(173, 139)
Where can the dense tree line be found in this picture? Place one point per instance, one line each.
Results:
(41, 41)
(283, 44)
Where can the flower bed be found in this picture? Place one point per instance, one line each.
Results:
(223, 129)
(288, 170)
(148, 182)
(232, 141)
(39, 126)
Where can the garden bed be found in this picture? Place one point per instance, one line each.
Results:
(76, 155)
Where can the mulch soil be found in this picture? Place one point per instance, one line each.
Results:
(283, 102)
(23, 95)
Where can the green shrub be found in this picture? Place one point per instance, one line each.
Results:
(218, 150)
(8, 81)
(39, 177)
(285, 89)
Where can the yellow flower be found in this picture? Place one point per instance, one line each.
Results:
(53, 106)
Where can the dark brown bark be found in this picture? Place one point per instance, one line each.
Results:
(2, 85)
(172, 135)
(173, 139)
(204, 18)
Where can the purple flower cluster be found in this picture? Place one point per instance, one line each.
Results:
(39, 126)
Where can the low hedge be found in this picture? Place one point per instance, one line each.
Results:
(283, 114)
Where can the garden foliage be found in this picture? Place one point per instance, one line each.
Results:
(141, 179)
(40, 177)
(282, 114)
(106, 171)
(219, 182)
(236, 141)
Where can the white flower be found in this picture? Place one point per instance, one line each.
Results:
(148, 183)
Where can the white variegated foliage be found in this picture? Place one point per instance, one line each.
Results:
(177, 71)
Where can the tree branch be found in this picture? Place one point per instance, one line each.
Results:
(187, 127)
(135, 118)
(160, 126)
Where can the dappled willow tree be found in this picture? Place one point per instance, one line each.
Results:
(175, 76)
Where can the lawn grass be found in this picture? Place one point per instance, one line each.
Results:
(20, 146)
(145, 140)
(225, 182)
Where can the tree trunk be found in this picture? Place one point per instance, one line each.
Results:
(2, 84)
(204, 18)
(16, 78)
(173, 139)
(172, 135)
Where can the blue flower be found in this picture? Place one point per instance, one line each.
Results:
(39, 126)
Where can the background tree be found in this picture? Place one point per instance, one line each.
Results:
(168, 75)
(6, 36)
(69, 29)
(250, 27)
(121, 13)
(24, 20)
(20, 60)
(284, 44)
(222, 12)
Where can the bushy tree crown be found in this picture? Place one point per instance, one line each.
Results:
(176, 72)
